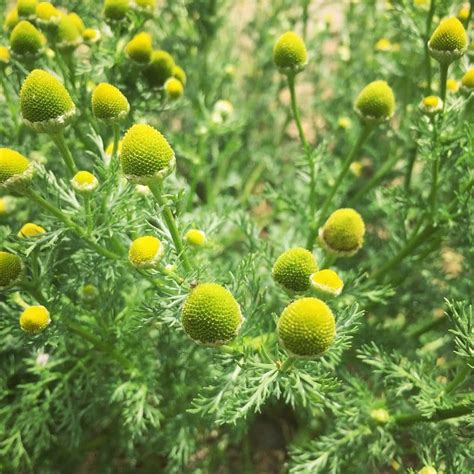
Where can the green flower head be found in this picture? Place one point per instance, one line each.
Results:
(375, 103)
(289, 53)
(448, 41)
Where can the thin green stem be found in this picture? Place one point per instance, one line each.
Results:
(59, 141)
(157, 191)
(88, 213)
(116, 131)
(435, 168)
(404, 419)
(410, 165)
(443, 78)
(458, 379)
(35, 292)
(424, 328)
(429, 21)
(287, 364)
(363, 136)
(294, 108)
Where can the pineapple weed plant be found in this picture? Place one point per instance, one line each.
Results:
(209, 224)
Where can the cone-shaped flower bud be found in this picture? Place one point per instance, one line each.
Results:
(375, 103)
(34, 319)
(195, 237)
(67, 35)
(11, 20)
(448, 41)
(306, 328)
(47, 14)
(77, 20)
(211, 315)
(146, 155)
(26, 9)
(289, 53)
(109, 104)
(11, 269)
(116, 10)
(46, 105)
(327, 283)
(26, 41)
(173, 88)
(145, 252)
(467, 80)
(140, 48)
(160, 68)
(30, 230)
(16, 171)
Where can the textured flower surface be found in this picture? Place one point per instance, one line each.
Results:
(84, 182)
(448, 41)
(10, 269)
(140, 48)
(211, 315)
(293, 268)
(47, 13)
(109, 104)
(46, 105)
(15, 169)
(174, 88)
(26, 40)
(376, 102)
(68, 35)
(306, 327)
(145, 154)
(145, 252)
(34, 319)
(327, 282)
(289, 53)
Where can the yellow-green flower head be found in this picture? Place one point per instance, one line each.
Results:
(173, 88)
(26, 41)
(68, 36)
(46, 105)
(146, 155)
(195, 237)
(47, 14)
(380, 415)
(34, 319)
(144, 5)
(4, 206)
(211, 315)
(344, 123)
(11, 269)
(91, 35)
(26, 8)
(109, 104)
(4, 55)
(293, 268)
(289, 53)
(140, 48)
(375, 103)
(145, 252)
(77, 20)
(327, 282)
(343, 233)
(463, 13)
(384, 45)
(431, 105)
(89, 293)
(427, 470)
(110, 148)
(84, 182)
(30, 230)
(161, 67)
(452, 85)
(116, 10)
(467, 80)
(11, 20)
(448, 41)
(15, 170)
(306, 328)
(178, 73)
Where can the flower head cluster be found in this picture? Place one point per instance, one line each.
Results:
(34, 319)
(26, 41)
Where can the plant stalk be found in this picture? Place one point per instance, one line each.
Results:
(404, 419)
(59, 141)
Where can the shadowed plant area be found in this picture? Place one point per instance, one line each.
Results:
(236, 236)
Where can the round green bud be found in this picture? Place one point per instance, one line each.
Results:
(15, 170)
(26, 40)
(26, 8)
(160, 68)
(11, 269)
(146, 155)
(380, 416)
(375, 103)
(211, 315)
(306, 328)
(448, 41)
(116, 10)
(67, 35)
(109, 104)
(46, 105)
(34, 319)
(178, 73)
(467, 80)
(293, 268)
(173, 88)
(140, 48)
(289, 53)
(343, 233)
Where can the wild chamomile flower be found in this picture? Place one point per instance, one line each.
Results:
(88, 293)
(145, 252)
(26, 9)
(26, 41)
(146, 155)
(161, 67)
(68, 35)
(427, 470)
(77, 20)
(211, 315)
(4, 55)
(178, 73)
(293, 268)
(16, 171)
(306, 328)
(11, 269)
(380, 416)
(173, 88)
(384, 45)
(11, 20)
(140, 48)
(452, 85)
(91, 35)
(195, 237)
(375, 103)
(34, 319)
(467, 80)
(463, 12)
(84, 182)
(431, 105)
(327, 282)
(344, 123)
(356, 168)
(222, 111)
(47, 14)
(343, 233)
(289, 53)
(116, 10)
(448, 41)
(109, 104)
(30, 230)
(46, 105)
